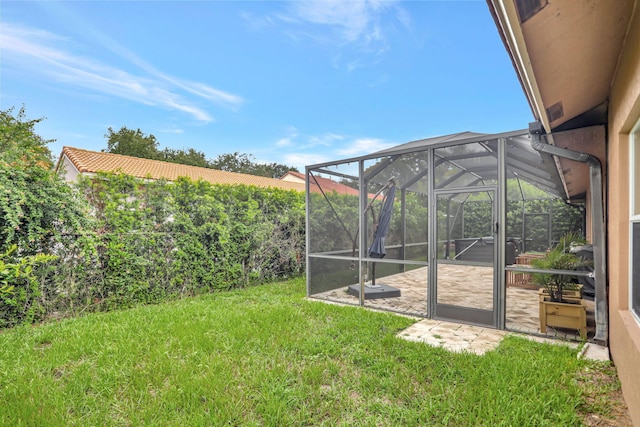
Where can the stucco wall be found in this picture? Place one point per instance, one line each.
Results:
(624, 111)
(70, 171)
(292, 178)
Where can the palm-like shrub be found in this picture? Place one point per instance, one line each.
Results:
(559, 258)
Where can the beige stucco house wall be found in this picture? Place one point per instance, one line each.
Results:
(68, 169)
(624, 113)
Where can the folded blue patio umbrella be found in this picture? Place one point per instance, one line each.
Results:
(377, 248)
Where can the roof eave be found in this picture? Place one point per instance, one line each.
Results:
(507, 22)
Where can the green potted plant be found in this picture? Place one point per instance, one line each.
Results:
(561, 304)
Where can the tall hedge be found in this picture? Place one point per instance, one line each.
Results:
(160, 240)
(153, 241)
(44, 224)
(115, 241)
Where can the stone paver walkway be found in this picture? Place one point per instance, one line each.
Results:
(458, 338)
(454, 336)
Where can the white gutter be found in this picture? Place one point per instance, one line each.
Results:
(597, 223)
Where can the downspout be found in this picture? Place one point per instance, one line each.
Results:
(597, 222)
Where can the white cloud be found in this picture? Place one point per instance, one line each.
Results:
(350, 19)
(300, 160)
(177, 131)
(325, 147)
(302, 142)
(362, 146)
(353, 21)
(35, 51)
(255, 22)
(284, 142)
(215, 95)
(404, 18)
(360, 25)
(325, 140)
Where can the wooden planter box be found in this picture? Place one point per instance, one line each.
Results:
(571, 314)
(570, 295)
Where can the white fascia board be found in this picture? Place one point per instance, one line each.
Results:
(507, 16)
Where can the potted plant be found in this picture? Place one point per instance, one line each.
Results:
(561, 303)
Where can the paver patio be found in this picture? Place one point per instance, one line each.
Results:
(462, 285)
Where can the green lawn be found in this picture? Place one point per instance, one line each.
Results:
(266, 356)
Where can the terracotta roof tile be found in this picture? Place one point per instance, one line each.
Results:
(93, 161)
(327, 185)
(296, 174)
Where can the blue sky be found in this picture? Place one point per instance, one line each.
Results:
(289, 82)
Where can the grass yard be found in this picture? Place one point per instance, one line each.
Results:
(267, 356)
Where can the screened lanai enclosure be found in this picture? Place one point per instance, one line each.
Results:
(442, 228)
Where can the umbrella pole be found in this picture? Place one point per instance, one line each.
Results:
(373, 274)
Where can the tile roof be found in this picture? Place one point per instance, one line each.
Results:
(296, 174)
(327, 185)
(93, 161)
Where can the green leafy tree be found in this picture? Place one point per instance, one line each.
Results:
(132, 143)
(189, 157)
(233, 162)
(136, 143)
(245, 163)
(19, 144)
(38, 209)
(42, 220)
(271, 170)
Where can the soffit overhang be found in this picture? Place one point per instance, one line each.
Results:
(564, 52)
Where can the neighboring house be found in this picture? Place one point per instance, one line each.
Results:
(74, 162)
(327, 185)
(579, 66)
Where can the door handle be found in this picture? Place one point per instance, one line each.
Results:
(495, 228)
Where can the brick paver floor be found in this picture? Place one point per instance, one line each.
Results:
(462, 285)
